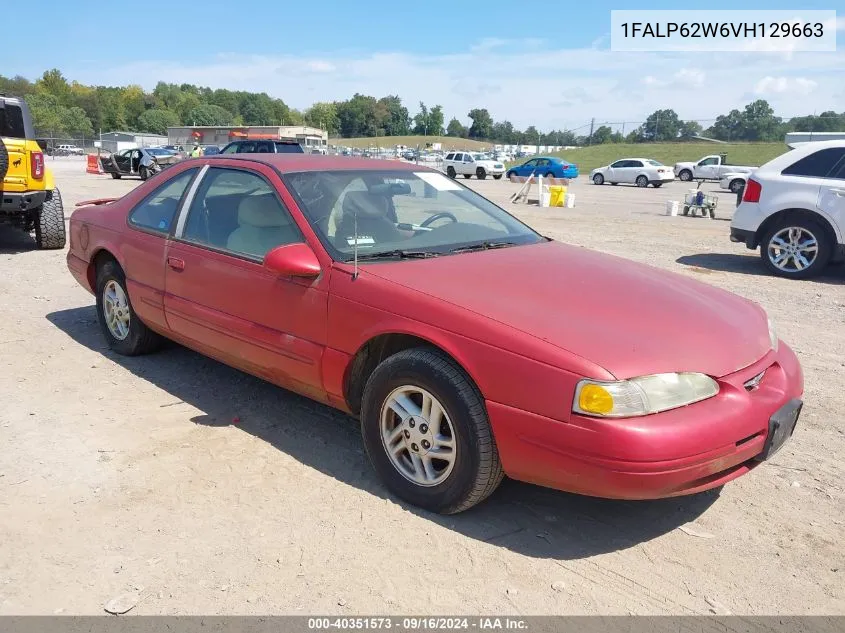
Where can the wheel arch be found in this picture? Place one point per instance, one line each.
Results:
(381, 346)
(786, 214)
(99, 256)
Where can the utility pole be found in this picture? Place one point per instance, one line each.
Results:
(592, 125)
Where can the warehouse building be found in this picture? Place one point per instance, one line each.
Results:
(310, 138)
(118, 141)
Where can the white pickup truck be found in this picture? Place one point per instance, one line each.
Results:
(713, 167)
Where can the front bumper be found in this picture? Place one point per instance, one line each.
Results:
(21, 202)
(678, 452)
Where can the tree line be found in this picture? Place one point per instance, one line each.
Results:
(61, 107)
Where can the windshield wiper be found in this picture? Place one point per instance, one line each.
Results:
(481, 246)
(395, 254)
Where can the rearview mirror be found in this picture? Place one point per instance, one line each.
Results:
(293, 260)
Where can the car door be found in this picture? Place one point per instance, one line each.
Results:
(527, 168)
(468, 164)
(707, 168)
(122, 160)
(634, 169)
(611, 176)
(149, 224)
(832, 189)
(220, 298)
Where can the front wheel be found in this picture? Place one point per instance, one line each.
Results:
(426, 432)
(796, 248)
(123, 330)
(598, 179)
(685, 175)
(480, 173)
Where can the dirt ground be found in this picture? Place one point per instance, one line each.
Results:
(197, 489)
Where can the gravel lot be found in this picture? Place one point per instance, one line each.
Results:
(199, 490)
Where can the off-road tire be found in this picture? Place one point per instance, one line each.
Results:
(141, 339)
(4, 162)
(50, 223)
(477, 470)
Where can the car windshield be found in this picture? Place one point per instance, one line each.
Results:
(401, 213)
(480, 156)
(654, 163)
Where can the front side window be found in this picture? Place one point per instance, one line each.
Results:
(708, 161)
(156, 211)
(818, 164)
(387, 210)
(238, 211)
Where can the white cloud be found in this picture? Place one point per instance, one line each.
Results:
(529, 82)
(780, 85)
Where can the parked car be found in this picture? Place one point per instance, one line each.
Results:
(733, 182)
(469, 164)
(793, 210)
(712, 167)
(634, 171)
(347, 280)
(67, 150)
(263, 147)
(210, 150)
(29, 198)
(546, 166)
(142, 162)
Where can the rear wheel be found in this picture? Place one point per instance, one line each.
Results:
(598, 179)
(50, 224)
(736, 185)
(642, 182)
(481, 173)
(123, 330)
(426, 432)
(450, 171)
(796, 248)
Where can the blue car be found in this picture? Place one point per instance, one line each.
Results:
(545, 166)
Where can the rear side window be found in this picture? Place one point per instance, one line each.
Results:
(157, 210)
(11, 122)
(819, 164)
(289, 148)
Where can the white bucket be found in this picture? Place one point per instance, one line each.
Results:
(672, 207)
(545, 199)
(569, 202)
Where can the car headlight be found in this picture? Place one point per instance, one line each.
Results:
(773, 335)
(642, 396)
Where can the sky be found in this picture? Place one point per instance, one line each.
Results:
(546, 64)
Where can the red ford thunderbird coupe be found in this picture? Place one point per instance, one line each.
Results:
(468, 345)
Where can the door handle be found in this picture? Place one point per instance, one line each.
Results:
(175, 263)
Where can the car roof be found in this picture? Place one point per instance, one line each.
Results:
(800, 151)
(292, 163)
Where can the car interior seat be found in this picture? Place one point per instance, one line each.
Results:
(262, 225)
(373, 220)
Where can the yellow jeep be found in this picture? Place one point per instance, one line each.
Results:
(29, 198)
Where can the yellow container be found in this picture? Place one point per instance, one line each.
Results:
(558, 195)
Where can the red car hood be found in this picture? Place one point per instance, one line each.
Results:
(629, 318)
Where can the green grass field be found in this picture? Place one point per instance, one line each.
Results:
(752, 154)
(447, 142)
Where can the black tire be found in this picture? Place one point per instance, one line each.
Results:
(614, 183)
(477, 469)
(509, 175)
(115, 176)
(4, 161)
(598, 179)
(685, 175)
(143, 172)
(737, 184)
(141, 339)
(642, 182)
(657, 185)
(50, 224)
(686, 210)
(499, 177)
(450, 171)
(480, 173)
(467, 176)
(549, 175)
(823, 254)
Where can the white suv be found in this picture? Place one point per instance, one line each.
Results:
(469, 164)
(793, 208)
(68, 150)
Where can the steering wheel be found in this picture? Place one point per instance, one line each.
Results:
(438, 216)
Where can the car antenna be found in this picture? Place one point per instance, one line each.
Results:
(355, 244)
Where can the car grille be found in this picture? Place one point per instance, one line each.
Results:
(753, 383)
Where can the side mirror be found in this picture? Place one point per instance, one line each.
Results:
(293, 260)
